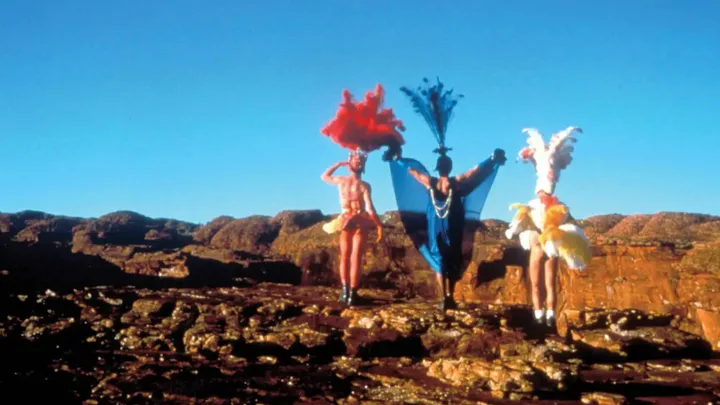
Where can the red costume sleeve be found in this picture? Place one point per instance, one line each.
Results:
(364, 125)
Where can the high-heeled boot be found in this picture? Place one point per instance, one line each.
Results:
(344, 294)
(353, 297)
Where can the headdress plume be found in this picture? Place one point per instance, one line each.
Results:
(364, 125)
(548, 159)
(435, 105)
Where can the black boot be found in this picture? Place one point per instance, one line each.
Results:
(447, 303)
(344, 294)
(353, 297)
(550, 323)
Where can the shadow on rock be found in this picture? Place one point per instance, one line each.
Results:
(496, 269)
(48, 265)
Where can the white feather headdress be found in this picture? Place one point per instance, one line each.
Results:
(548, 159)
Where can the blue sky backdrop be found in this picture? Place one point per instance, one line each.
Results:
(192, 110)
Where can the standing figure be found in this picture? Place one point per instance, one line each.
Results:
(361, 127)
(542, 225)
(356, 219)
(436, 211)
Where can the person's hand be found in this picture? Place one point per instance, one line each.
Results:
(393, 152)
(343, 163)
(379, 233)
(574, 272)
(499, 156)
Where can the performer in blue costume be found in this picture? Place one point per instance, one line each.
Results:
(437, 211)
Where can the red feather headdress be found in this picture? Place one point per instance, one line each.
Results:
(364, 125)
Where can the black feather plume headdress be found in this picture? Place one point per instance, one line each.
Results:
(436, 106)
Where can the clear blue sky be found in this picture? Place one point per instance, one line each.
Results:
(192, 109)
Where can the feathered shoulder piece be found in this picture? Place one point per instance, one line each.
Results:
(549, 159)
(435, 105)
(364, 125)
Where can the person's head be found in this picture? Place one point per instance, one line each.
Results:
(356, 162)
(544, 196)
(547, 199)
(444, 165)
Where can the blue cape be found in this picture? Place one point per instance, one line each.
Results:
(440, 240)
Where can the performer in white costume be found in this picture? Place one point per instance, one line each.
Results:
(542, 225)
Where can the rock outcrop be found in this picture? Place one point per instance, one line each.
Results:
(130, 309)
(272, 343)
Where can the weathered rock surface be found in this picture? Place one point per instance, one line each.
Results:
(130, 309)
(273, 343)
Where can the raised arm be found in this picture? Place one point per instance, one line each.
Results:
(328, 177)
(370, 207)
(473, 177)
(422, 178)
(461, 178)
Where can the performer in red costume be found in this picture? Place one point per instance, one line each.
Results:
(361, 127)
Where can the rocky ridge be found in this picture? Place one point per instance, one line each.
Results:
(130, 309)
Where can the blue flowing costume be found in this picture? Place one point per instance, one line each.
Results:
(440, 240)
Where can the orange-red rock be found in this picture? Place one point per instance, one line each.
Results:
(666, 263)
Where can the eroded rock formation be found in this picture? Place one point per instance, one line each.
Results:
(130, 309)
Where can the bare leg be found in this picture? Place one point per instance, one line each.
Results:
(441, 284)
(550, 276)
(356, 256)
(451, 304)
(536, 256)
(345, 246)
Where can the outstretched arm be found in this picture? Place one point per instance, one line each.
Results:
(370, 207)
(473, 177)
(422, 178)
(462, 178)
(328, 177)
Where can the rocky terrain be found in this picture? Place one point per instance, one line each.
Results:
(126, 309)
